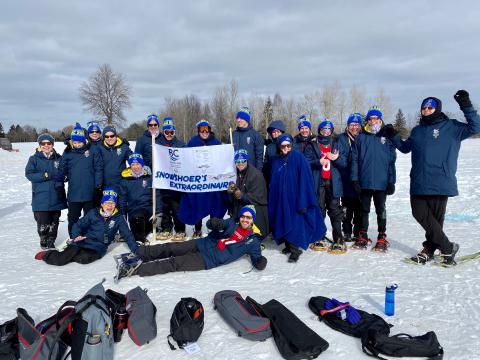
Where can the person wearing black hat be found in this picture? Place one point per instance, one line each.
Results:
(435, 144)
(275, 129)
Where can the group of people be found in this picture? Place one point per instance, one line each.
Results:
(285, 187)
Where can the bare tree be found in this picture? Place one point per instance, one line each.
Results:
(357, 100)
(383, 101)
(106, 94)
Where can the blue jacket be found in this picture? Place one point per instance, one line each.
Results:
(249, 139)
(84, 171)
(373, 161)
(114, 161)
(45, 193)
(345, 145)
(435, 148)
(136, 194)
(214, 257)
(144, 146)
(197, 141)
(100, 232)
(313, 155)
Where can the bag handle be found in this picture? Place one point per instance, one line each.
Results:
(172, 347)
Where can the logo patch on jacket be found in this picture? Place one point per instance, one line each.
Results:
(87, 153)
(56, 163)
(119, 151)
(248, 140)
(144, 183)
(111, 224)
(436, 133)
(382, 140)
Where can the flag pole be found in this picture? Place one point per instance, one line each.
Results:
(231, 136)
(154, 198)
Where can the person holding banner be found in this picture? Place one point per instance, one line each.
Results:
(195, 206)
(246, 137)
(250, 188)
(171, 198)
(136, 198)
(227, 242)
(293, 210)
(144, 142)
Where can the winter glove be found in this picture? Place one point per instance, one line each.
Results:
(463, 99)
(356, 187)
(390, 189)
(345, 312)
(238, 194)
(389, 131)
(231, 188)
(215, 224)
(261, 263)
(155, 221)
(97, 195)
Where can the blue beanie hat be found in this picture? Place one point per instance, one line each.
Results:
(168, 124)
(45, 137)
(284, 137)
(244, 113)
(240, 154)
(109, 194)
(303, 121)
(354, 118)
(203, 123)
(430, 102)
(325, 123)
(250, 209)
(374, 111)
(152, 117)
(93, 125)
(77, 133)
(109, 128)
(135, 157)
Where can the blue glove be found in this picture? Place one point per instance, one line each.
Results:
(350, 314)
(353, 316)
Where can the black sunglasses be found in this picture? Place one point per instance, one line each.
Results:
(109, 136)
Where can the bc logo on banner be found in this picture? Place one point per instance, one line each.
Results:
(196, 169)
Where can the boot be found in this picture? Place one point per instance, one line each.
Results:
(449, 259)
(362, 241)
(295, 253)
(424, 256)
(382, 243)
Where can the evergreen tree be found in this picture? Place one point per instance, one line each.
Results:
(400, 124)
(267, 117)
(2, 132)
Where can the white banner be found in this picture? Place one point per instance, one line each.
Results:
(195, 169)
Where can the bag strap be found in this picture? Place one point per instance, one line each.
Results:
(172, 347)
(323, 312)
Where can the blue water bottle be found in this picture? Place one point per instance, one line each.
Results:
(390, 300)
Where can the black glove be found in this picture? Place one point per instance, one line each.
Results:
(463, 99)
(390, 189)
(389, 131)
(356, 187)
(97, 195)
(215, 224)
(261, 263)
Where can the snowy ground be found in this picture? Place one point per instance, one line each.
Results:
(428, 298)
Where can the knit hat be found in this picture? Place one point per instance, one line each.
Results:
(109, 194)
(430, 102)
(250, 209)
(168, 124)
(77, 133)
(284, 137)
(354, 118)
(240, 154)
(93, 125)
(244, 113)
(135, 157)
(276, 125)
(373, 111)
(326, 123)
(45, 137)
(109, 128)
(152, 117)
(303, 121)
(203, 123)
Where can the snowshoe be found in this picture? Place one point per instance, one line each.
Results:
(362, 241)
(197, 234)
(422, 257)
(349, 238)
(321, 245)
(448, 260)
(338, 247)
(181, 236)
(164, 235)
(382, 243)
(126, 265)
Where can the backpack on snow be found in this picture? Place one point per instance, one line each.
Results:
(242, 316)
(9, 340)
(186, 323)
(117, 304)
(142, 325)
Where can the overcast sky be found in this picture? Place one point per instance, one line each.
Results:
(412, 49)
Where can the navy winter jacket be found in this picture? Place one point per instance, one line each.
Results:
(144, 146)
(435, 148)
(214, 257)
(301, 143)
(249, 139)
(373, 161)
(345, 145)
(100, 232)
(313, 156)
(197, 141)
(48, 192)
(136, 193)
(84, 171)
(114, 161)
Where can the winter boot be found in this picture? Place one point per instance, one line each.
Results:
(127, 266)
(197, 234)
(41, 254)
(50, 243)
(382, 243)
(164, 235)
(362, 241)
(338, 247)
(295, 253)
(348, 238)
(286, 250)
(321, 245)
(181, 236)
(449, 259)
(423, 256)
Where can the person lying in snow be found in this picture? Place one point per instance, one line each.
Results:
(227, 242)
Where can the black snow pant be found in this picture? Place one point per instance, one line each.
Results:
(47, 225)
(171, 206)
(429, 211)
(140, 224)
(352, 214)
(379, 200)
(170, 257)
(75, 211)
(329, 203)
(71, 254)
